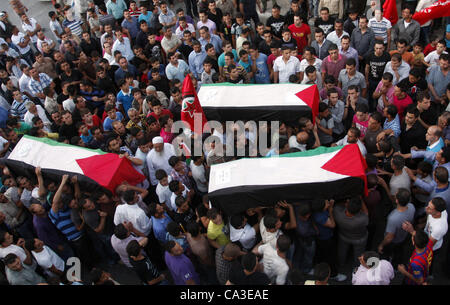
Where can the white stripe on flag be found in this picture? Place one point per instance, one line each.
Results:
(272, 171)
(251, 95)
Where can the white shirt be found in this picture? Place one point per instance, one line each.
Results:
(433, 58)
(286, 69)
(179, 32)
(164, 193)
(304, 64)
(294, 144)
(28, 117)
(173, 197)
(382, 274)
(69, 105)
(47, 258)
(268, 237)
(361, 146)
(15, 250)
(30, 27)
(437, 228)
(334, 38)
(246, 236)
(39, 43)
(157, 161)
(199, 175)
(275, 267)
(19, 38)
(23, 83)
(110, 58)
(134, 214)
(124, 47)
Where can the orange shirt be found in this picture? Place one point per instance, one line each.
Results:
(407, 56)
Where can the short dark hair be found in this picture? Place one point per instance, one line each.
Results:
(403, 196)
(321, 271)
(420, 239)
(441, 174)
(133, 248)
(439, 204)
(283, 243)
(354, 206)
(249, 261)
(120, 231)
(270, 221)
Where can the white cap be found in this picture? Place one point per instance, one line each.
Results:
(157, 140)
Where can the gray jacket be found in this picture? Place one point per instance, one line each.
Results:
(411, 33)
(323, 50)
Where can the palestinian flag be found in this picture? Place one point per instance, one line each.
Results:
(93, 168)
(335, 172)
(268, 102)
(439, 9)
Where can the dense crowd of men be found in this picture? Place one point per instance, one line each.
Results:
(108, 75)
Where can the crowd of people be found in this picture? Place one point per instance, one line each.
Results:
(108, 75)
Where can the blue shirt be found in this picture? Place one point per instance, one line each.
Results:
(116, 9)
(125, 99)
(394, 125)
(64, 223)
(107, 123)
(196, 62)
(132, 27)
(177, 72)
(145, 17)
(221, 59)
(215, 40)
(159, 227)
(262, 75)
(120, 73)
(320, 218)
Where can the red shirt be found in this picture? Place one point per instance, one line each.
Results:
(401, 105)
(95, 122)
(163, 113)
(134, 13)
(428, 49)
(270, 59)
(300, 34)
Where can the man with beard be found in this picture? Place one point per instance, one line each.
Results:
(158, 158)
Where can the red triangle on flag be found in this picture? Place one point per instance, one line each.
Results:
(310, 96)
(348, 162)
(109, 170)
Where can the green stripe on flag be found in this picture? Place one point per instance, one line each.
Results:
(55, 143)
(313, 152)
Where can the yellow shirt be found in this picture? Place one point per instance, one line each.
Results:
(215, 232)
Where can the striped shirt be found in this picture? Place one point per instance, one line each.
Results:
(63, 222)
(18, 108)
(38, 86)
(74, 26)
(419, 263)
(380, 28)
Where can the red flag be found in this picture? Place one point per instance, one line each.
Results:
(438, 9)
(191, 110)
(390, 11)
(311, 97)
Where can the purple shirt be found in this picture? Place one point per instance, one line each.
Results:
(47, 232)
(181, 269)
(331, 68)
